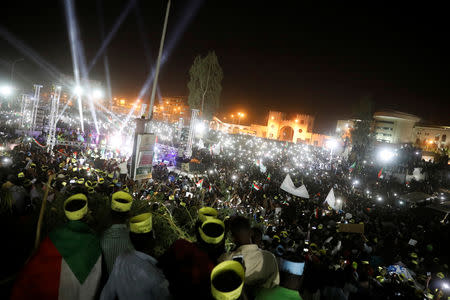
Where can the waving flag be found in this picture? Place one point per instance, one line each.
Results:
(200, 183)
(381, 172)
(37, 143)
(331, 201)
(352, 167)
(268, 177)
(256, 187)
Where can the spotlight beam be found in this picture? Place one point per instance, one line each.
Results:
(111, 34)
(173, 39)
(74, 40)
(105, 57)
(79, 60)
(31, 54)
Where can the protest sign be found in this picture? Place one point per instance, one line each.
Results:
(351, 228)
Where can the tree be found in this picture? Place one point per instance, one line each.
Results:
(205, 84)
(362, 135)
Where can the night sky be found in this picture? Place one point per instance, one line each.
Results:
(274, 55)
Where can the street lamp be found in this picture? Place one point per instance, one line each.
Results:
(241, 115)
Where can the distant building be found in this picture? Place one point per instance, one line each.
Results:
(297, 128)
(171, 109)
(396, 127)
(431, 137)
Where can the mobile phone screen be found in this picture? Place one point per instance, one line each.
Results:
(239, 259)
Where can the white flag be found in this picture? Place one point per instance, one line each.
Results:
(262, 168)
(287, 184)
(331, 200)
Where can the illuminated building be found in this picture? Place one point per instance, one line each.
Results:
(396, 127)
(171, 109)
(296, 128)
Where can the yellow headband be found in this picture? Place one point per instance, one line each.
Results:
(79, 214)
(209, 239)
(141, 223)
(228, 265)
(21, 175)
(119, 206)
(206, 213)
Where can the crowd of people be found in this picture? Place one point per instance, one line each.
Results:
(225, 231)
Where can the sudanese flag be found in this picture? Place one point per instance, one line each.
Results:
(67, 265)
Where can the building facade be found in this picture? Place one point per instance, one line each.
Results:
(171, 109)
(401, 128)
(394, 127)
(431, 137)
(297, 128)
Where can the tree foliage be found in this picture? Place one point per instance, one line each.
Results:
(362, 136)
(205, 84)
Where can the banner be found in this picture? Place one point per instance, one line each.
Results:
(144, 164)
(352, 228)
(288, 186)
(302, 192)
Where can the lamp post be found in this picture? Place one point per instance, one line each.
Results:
(12, 67)
(240, 116)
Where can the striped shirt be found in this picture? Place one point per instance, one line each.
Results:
(115, 241)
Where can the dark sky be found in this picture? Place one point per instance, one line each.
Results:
(275, 55)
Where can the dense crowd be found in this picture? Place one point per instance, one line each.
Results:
(216, 227)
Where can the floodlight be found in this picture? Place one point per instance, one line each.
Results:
(97, 94)
(115, 141)
(6, 90)
(78, 90)
(200, 127)
(386, 155)
(331, 144)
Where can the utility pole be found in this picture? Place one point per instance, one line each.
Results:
(158, 62)
(142, 124)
